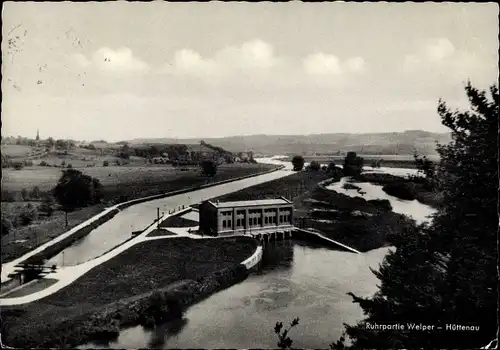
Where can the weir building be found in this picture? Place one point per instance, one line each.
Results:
(245, 216)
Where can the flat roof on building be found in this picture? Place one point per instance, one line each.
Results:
(251, 203)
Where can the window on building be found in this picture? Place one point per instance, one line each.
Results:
(259, 221)
(266, 220)
(255, 221)
(229, 224)
(238, 222)
(224, 223)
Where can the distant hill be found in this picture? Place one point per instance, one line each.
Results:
(394, 143)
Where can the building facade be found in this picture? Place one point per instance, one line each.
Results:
(245, 216)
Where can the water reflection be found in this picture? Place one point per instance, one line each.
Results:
(295, 279)
(162, 332)
(105, 340)
(276, 254)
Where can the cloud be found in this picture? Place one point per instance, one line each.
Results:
(106, 59)
(355, 64)
(251, 57)
(329, 64)
(439, 54)
(438, 49)
(189, 61)
(321, 63)
(81, 60)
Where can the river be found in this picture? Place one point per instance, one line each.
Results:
(296, 279)
(415, 209)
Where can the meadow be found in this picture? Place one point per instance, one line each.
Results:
(75, 310)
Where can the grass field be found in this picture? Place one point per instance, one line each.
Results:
(161, 232)
(16, 151)
(142, 268)
(289, 186)
(178, 221)
(123, 184)
(23, 239)
(33, 287)
(46, 178)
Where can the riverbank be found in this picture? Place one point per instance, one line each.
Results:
(24, 239)
(353, 221)
(119, 291)
(403, 188)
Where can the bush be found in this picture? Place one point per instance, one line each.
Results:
(8, 196)
(105, 163)
(27, 215)
(383, 204)
(63, 163)
(35, 193)
(43, 163)
(24, 194)
(400, 190)
(209, 167)
(298, 163)
(47, 206)
(315, 166)
(28, 163)
(18, 166)
(70, 166)
(6, 226)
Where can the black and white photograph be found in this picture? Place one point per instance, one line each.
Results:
(249, 175)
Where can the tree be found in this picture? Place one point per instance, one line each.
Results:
(47, 206)
(446, 272)
(284, 341)
(332, 168)
(50, 142)
(27, 214)
(353, 165)
(35, 192)
(315, 166)
(209, 167)
(298, 163)
(61, 144)
(24, 194)
(75, 190)
(124, 152)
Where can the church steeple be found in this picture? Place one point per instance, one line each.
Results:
(37, 135)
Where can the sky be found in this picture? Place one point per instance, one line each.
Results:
(125, 70)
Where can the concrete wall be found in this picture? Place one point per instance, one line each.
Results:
(254, 259)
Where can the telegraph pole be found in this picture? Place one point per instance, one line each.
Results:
(158, 217)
